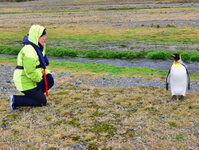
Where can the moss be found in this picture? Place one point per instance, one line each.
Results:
(122, 46)
(172, 124)
(179, 137)
(74, 122)
(75, 138)
(7, 120)
(93, 146)
(15, 132)
(51, 148)
(96, 93)
(103, 127)
(63, 92)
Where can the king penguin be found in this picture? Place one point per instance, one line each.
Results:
(178, 78)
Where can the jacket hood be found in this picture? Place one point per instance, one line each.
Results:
(26, 41)
(34, 33)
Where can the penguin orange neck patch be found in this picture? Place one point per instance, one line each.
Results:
(176, 63)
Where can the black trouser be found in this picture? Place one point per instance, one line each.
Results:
(34, 97)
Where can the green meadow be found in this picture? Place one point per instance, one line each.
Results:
(67, 42)
(174, 35)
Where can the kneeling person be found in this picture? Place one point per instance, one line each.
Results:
(31, 73)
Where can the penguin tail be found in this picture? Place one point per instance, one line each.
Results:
(167, 86)
(189, 87)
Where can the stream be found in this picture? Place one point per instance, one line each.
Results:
(156, 64)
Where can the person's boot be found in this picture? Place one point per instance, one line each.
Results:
(12, 106)
(181, 98)
(173, 98)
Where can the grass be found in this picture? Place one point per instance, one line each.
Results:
(108, 54)
(81, 116)
(47, 11)
(14, 0)
(147, 34)
(97, 9)
(115, 70)
(95, 68)
(106, 118)
(60, 36)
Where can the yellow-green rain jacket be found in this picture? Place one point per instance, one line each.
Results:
(27, 78)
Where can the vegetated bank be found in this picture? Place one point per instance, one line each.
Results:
(108, 54)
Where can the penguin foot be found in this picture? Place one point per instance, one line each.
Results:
(181, 98)
(173, 98)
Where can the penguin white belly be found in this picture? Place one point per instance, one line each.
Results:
(178, 80)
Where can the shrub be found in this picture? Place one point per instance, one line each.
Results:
(122, 46)
(60, 52)
(157, 55)
(194, 57)
(185, 55)
(93, 54)
(71, 53)
(9, 50)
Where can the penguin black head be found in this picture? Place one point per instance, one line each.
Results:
(176, 56)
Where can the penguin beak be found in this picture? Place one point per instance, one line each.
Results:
(173, 55)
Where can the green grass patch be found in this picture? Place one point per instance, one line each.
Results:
(47, 11)
(115, 70)
(9, 50)
(173, 35)
(61, 52)
(105, 68)
(94, 9)
(173, 124)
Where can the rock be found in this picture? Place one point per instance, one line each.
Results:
(78, 82)
(73, 145)
(165, 32)
(106, 74)
(174, 148)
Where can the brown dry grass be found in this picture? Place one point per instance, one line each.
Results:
(132, 118)
(57, 19)
(109, 118)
